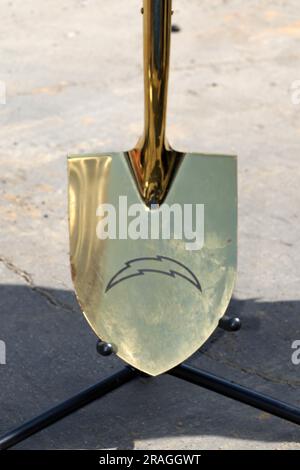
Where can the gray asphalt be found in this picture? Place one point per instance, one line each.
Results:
(73, 74)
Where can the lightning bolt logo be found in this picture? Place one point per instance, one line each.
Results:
(157, 264)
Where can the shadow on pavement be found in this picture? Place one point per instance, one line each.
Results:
(51, 355)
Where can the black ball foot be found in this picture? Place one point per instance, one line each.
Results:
(230, 323)
(105, 349)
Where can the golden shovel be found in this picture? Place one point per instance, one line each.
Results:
(150, 289)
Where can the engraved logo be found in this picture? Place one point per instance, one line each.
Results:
(157, 265)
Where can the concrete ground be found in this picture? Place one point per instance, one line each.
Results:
(73, 74)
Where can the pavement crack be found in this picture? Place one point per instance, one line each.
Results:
(252, 371)
(19, 272)
(50, 298)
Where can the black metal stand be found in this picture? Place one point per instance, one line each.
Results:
(190, 374)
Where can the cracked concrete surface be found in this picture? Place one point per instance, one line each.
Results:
(74, 85)
(29, 281)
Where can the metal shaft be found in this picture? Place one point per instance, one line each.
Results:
(157, 38)
(153, 161)
(67, 407)
(237, 392)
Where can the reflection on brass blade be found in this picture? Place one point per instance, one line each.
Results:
(167, 303)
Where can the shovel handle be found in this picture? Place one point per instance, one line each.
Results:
(153, 161)
(157, 38)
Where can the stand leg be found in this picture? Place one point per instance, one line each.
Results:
(67, 407)
(184, 372)
(237, 392)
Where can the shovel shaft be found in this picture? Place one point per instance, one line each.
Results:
(157, 38)
(153, 160)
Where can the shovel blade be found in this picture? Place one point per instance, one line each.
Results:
(154, 300)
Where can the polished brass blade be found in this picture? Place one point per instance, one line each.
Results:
(154, 321)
